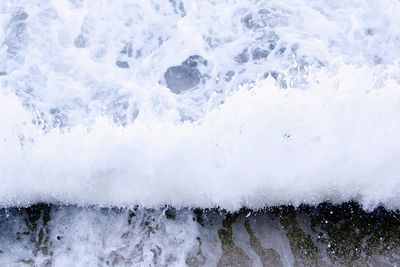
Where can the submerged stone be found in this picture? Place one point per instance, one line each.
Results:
(18, 36)
(127, 50)
(243, 57)
(232, 255)
(248, 21)
(259, 53)
(181, 78)
(194, 61)
(178, 7)
(271, 44)
(229, 75)
(264, 18)
(122, 64)
(80, 41)
(19, 15)
(59, 118)
(281, 51)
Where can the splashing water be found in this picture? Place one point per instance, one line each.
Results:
(199, 103)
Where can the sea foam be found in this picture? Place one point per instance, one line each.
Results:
(298, 103)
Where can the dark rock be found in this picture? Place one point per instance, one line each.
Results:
(170, 213)
(199, 216)
(80, 41)
(281, 51)
(370, 32)
(274, 74)
(268, 256)
(294, 47)
(243, 57)
(122, 64)
(232, 255)
(229, 75)
(138, 53)
(264, 18)
(194, 61)
(17, 37)
(271, 44)
(19, 15)
(181, 78)
(127, 50)
(259, 53)
(248, 21)
(59, 118)
(281, 80)
(377, 60)
(178, 7)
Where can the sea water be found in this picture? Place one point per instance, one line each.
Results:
(199, 104)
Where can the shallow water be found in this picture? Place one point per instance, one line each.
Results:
(111, 110)
(326, 235)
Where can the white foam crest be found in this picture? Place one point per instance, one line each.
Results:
(87, 117)
(335, 141)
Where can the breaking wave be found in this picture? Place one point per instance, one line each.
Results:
(199, 103)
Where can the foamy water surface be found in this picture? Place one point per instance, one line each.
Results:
(199, 103)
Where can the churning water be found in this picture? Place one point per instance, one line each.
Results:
(208, 103)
